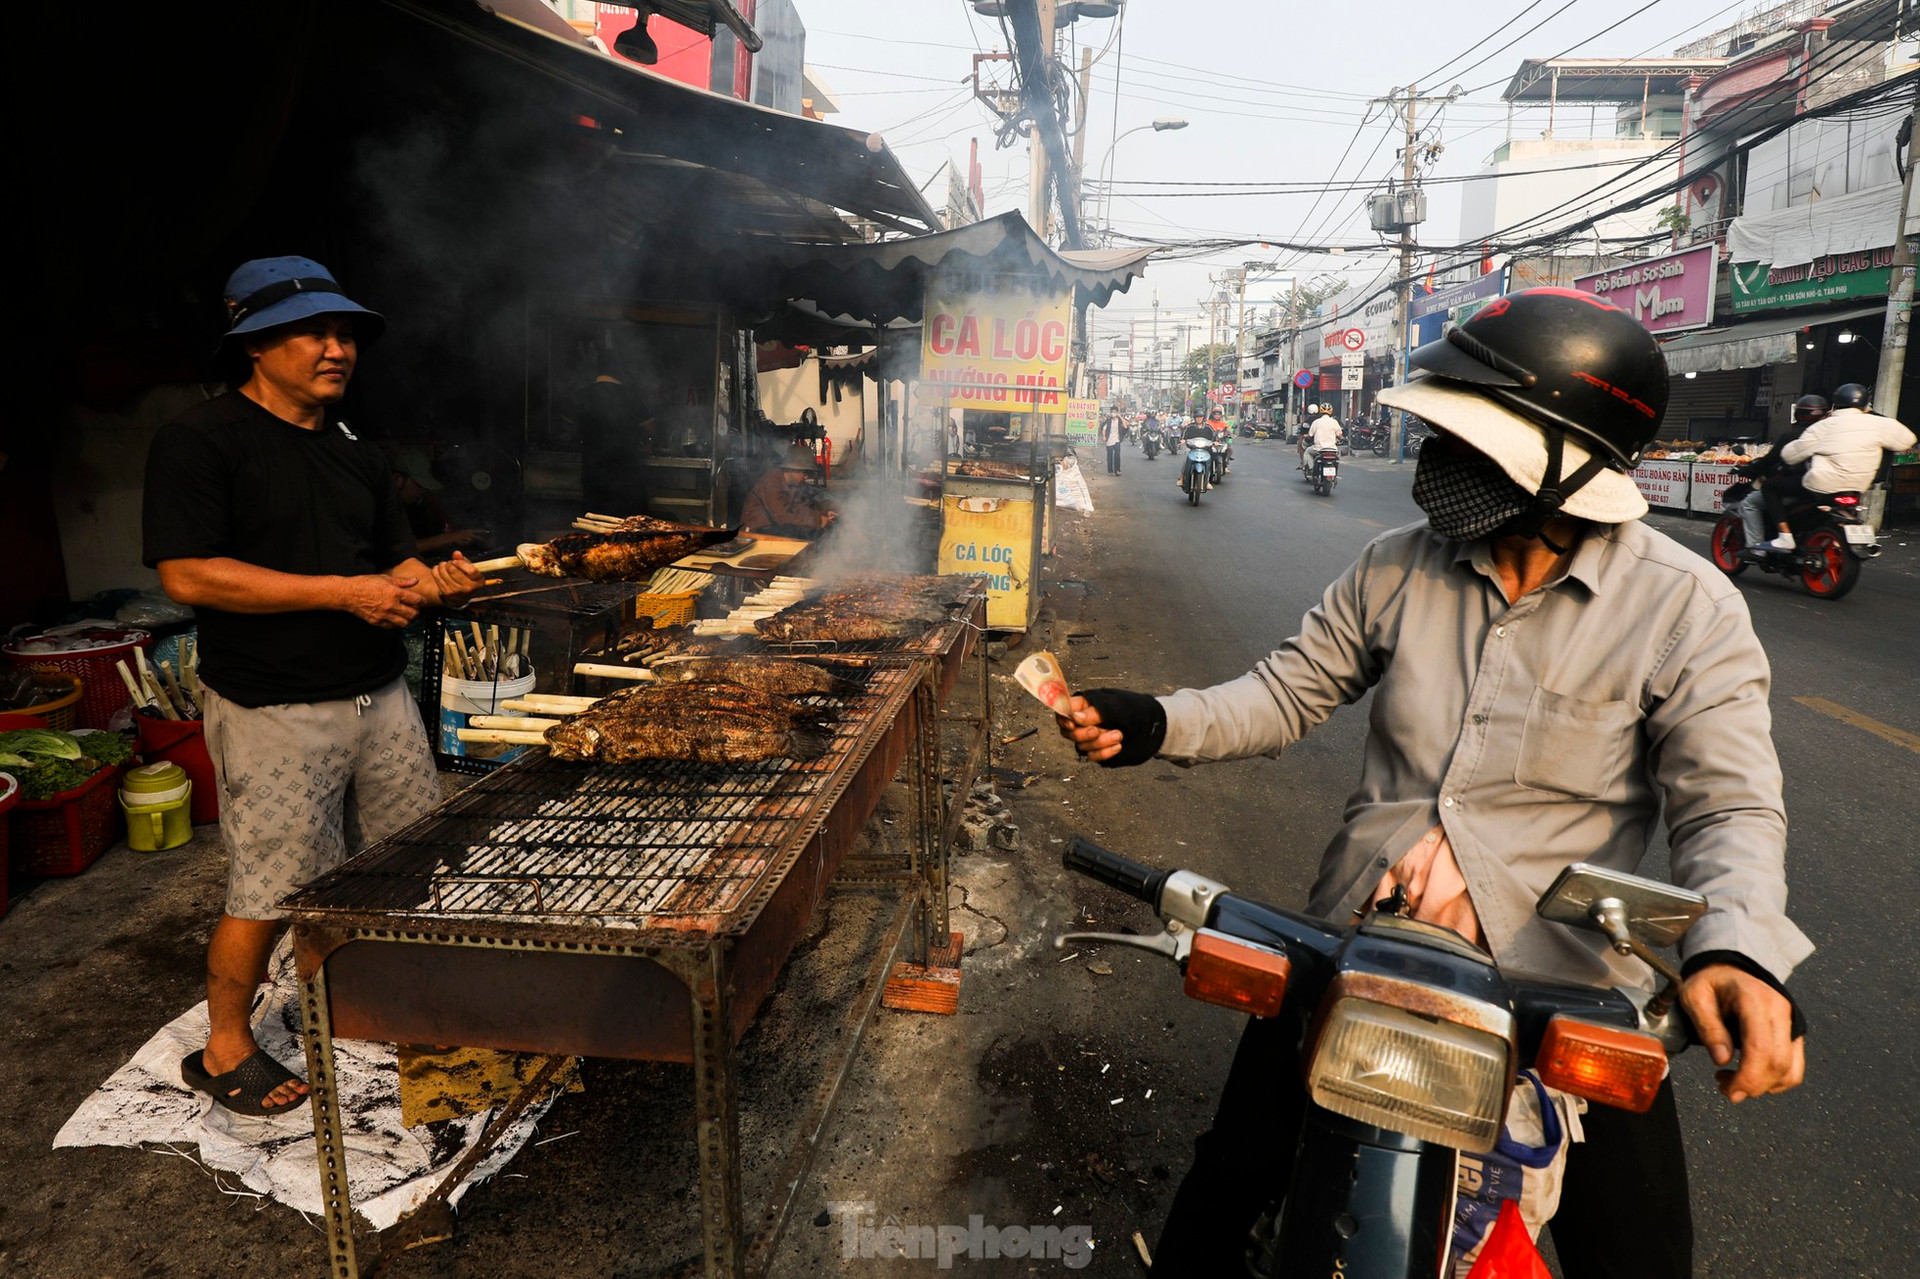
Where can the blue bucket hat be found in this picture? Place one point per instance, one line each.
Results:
(268, 292)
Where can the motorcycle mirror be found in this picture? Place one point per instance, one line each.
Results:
(1593, 897)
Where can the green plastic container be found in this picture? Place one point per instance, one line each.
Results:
(157, 799)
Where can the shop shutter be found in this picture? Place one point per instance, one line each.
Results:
(1709, 405)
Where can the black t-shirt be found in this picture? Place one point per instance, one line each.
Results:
(613, 449)
(231, 480)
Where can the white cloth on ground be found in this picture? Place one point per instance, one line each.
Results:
(390, 1168)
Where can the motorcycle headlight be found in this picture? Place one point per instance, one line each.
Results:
(1393, 1057)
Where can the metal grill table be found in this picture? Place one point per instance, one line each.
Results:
(637, 911)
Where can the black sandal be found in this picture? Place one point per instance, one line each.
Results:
(245, 1088)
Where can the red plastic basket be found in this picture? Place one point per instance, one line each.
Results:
(102, 693)
(66, 834)
(8, 797)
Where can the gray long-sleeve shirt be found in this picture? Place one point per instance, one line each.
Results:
(1538, 734)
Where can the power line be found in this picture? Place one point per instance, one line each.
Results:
(1570, 48)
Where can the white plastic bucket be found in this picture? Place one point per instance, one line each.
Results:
(460, 698)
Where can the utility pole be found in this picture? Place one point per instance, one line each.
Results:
(1403, 295)
(1893, 343)
(1039, 194)
(1156, 339)
(1213, 316)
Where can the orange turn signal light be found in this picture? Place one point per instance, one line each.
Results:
(1602, 1063)
(1236, 974)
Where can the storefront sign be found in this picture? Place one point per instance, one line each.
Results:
(1759, 286)
(1664, 483)
(995, 536)
(1083, 421)
(1666, 294)
(996, 341)
(1710, 481)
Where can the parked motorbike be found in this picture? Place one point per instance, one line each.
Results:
(1408, 1041)
(1199, 470)
(1323, 468)
(1368, 437)
(1830, 540)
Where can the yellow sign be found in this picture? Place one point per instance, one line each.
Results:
(997, 342)
(992, 535)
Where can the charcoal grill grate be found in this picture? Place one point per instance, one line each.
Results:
(653, 845)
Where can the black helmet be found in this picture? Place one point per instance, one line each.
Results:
(1852, 396)
(1566, 359)
(1570, 363)
(1810, 408)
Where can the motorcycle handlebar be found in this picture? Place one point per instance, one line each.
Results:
(1110, 868)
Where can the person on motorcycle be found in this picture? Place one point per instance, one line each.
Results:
(1550, 677)
(1842, 454)
(1323, 430)
(1807, 410)
(1222, 439)
(1195, 430)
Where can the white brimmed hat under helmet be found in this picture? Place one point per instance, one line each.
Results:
(1563, 389)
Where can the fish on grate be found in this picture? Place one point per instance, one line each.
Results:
(783, 676)
(866, 607)
(705, 722)
(628, 555)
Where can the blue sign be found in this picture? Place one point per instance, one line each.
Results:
(1303, 379)
(1430, 312)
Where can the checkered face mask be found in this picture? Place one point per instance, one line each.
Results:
(1464, 492)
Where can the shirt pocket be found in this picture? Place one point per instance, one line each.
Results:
(1570, 746)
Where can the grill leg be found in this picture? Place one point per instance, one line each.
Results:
(329, 1146)
(716, 1114)
(930, 851)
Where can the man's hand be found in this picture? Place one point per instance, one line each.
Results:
(1082, 728)
(1723, 1002)
(383, 599)
(456, 580)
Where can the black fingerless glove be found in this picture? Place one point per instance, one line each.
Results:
(1141, 719)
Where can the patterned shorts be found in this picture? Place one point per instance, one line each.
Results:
(306, 784)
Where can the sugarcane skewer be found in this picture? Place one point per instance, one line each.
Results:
(603, 671)
(139, 694)
(502, 736)
(528, 723)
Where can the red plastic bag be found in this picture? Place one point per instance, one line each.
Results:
(1510, 1253)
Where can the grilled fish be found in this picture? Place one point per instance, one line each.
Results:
(865, 607)
(705, 722)
(782, 676)
(630, 555)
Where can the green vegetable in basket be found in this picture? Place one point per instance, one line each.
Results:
(40, 743)
(8, 760)
(109, 748)
(55, 776)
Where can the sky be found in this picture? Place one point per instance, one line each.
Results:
(1272, 92)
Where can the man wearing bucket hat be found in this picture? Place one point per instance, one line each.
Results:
(784, 503)
(1549, 676)
(281, 527)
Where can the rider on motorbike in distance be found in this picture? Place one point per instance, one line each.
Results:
(1223, 437)
(1807, 410)
(1842, 454)
(1195, 429)
(1323, 431)
(1550, 676)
